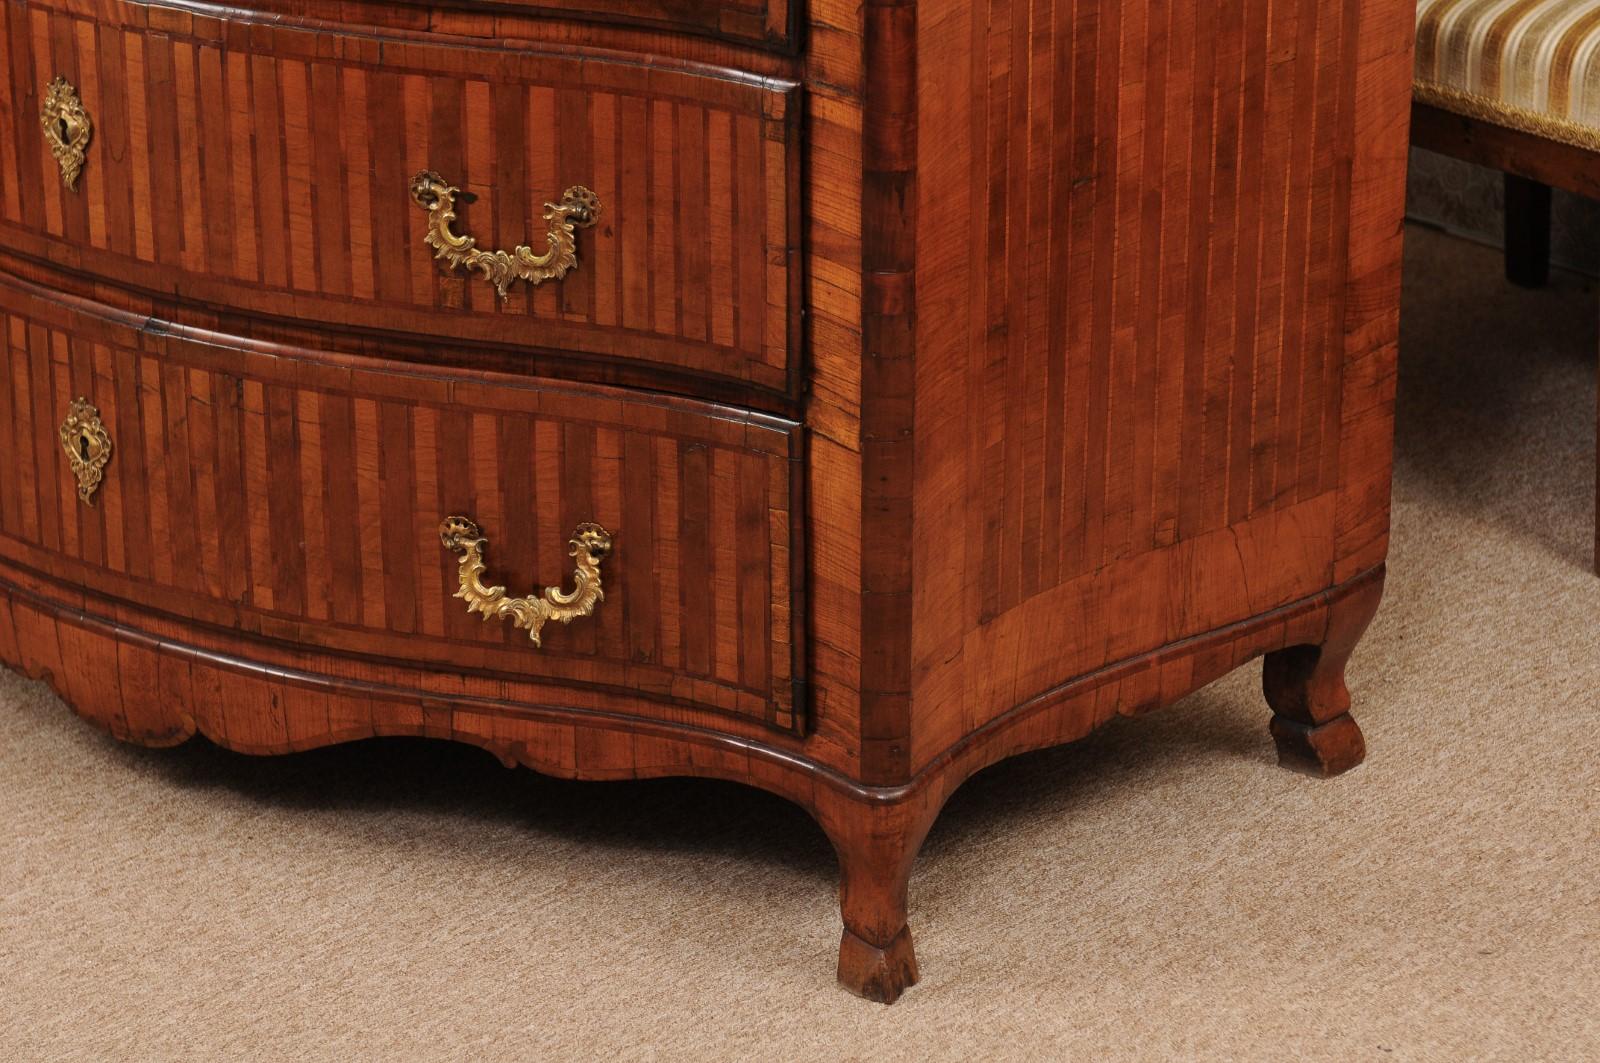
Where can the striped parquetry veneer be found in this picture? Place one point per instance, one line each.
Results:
(1532, 65)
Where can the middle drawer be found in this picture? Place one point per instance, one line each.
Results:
(270, 169)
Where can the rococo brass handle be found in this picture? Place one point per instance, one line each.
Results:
(66, 128)
(88, 447)
(578, 206)
(588, 546)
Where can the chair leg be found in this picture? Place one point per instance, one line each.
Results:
(1527, 232)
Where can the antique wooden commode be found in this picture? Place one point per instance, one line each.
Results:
(897, 385)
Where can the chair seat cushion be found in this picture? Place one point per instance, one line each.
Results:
(1528, 64)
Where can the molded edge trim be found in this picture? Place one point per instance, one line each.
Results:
(952, 767)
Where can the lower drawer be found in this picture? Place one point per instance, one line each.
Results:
(299, 497)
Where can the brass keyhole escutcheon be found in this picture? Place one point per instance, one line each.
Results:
(88, 447)
(66, 128)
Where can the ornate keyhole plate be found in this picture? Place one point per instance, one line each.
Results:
(88, 447)
(66, 128)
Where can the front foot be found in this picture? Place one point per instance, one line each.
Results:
(876, 843)
(1305, 686)
(1324, 751)
(878, 974)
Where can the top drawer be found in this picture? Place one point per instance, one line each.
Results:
(269, 169)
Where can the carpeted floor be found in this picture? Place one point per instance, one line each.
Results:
(1161, 891)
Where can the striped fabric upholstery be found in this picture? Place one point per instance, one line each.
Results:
(1528, 64)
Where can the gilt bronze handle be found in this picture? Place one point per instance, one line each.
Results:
(578, 207)
(589, 545)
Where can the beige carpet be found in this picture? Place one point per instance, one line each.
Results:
(1161, 891)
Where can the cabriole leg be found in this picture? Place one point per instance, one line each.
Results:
(876, 844)
(1305, 686)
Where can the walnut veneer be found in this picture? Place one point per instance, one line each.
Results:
(947, 378)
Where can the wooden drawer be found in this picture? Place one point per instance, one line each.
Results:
(266, 168)
(298, 498)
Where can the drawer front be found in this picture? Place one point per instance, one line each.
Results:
(269, 169)
(301, 500)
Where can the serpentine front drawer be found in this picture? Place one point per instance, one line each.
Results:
(275, 170)
(281, 493)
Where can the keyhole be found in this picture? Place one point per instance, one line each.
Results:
(83, 447)
(66, 132)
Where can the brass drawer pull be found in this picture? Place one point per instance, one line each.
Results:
(578, 206)
(66, 128)
(589, 546)
(88, 447)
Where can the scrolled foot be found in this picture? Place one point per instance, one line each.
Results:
(878, 974)
(1305, 686)
(1327, 750)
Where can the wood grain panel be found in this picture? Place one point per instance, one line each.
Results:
(1141, 409)
(1231, 448)
(284, 496)
(270, 169)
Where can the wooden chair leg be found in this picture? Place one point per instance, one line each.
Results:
(1305, 686)
(1527, 232)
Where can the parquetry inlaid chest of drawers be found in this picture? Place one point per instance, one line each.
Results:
(878, 389)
